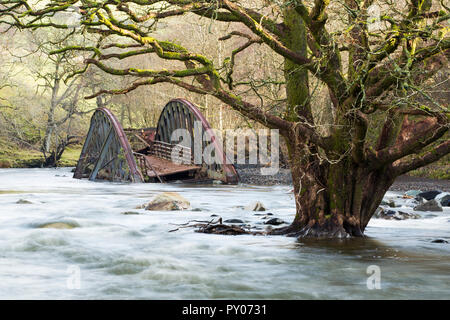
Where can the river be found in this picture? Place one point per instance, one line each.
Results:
(110, 255)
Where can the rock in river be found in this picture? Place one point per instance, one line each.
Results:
(255, 206)
(443, 199)
(394, 215)
(168, 201)
(428, 195)
(23, 201)
(431, 205)
(439, 241)
(59, 225)
(274, 221)
(233, 221)
(389, 202)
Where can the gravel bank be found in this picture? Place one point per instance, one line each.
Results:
(251, 174)
(405, 182)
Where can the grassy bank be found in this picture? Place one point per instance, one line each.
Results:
(13, 156)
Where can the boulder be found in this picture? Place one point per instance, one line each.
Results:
(446, 201)
(429, 195)
(388, 202)
(400, 215)
(392, 204)
(255, 206)
(431, 205)
(168, 201)
(443, 199)
(381, 213)
(274, 221)
(414, 202)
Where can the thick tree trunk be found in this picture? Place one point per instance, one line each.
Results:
(334, 200)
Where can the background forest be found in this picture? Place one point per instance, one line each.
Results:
(44, 115)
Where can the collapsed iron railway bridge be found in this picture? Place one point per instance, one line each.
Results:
(146, 155)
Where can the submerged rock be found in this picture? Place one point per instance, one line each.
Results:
(23, 201)
(129, 212)
(429, 195)
(59, 225)
(446, 202)
(414, 202)
(381, 213)
(443, 199)
(388, 202)
(256, 206)
(274, 221)
(263, 214)
(431, 205)
(439, 241)
(234, 221)
(400, 215)
(168, 201)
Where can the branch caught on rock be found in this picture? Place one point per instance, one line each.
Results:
(217, 227)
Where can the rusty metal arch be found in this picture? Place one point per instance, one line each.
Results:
(180, 113)
(106, 152)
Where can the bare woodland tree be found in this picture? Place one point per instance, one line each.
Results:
(339, 174)
(63, 103)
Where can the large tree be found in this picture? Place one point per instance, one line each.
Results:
(375, 68)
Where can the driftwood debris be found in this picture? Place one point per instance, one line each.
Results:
(217, 227)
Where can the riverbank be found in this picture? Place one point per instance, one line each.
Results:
(251, 174)
(14, 156)
(424, 179)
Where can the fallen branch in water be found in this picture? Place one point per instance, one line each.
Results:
(188, 225)
(226, 229)
(217, 227)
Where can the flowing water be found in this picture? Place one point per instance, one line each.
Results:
(110, 255)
